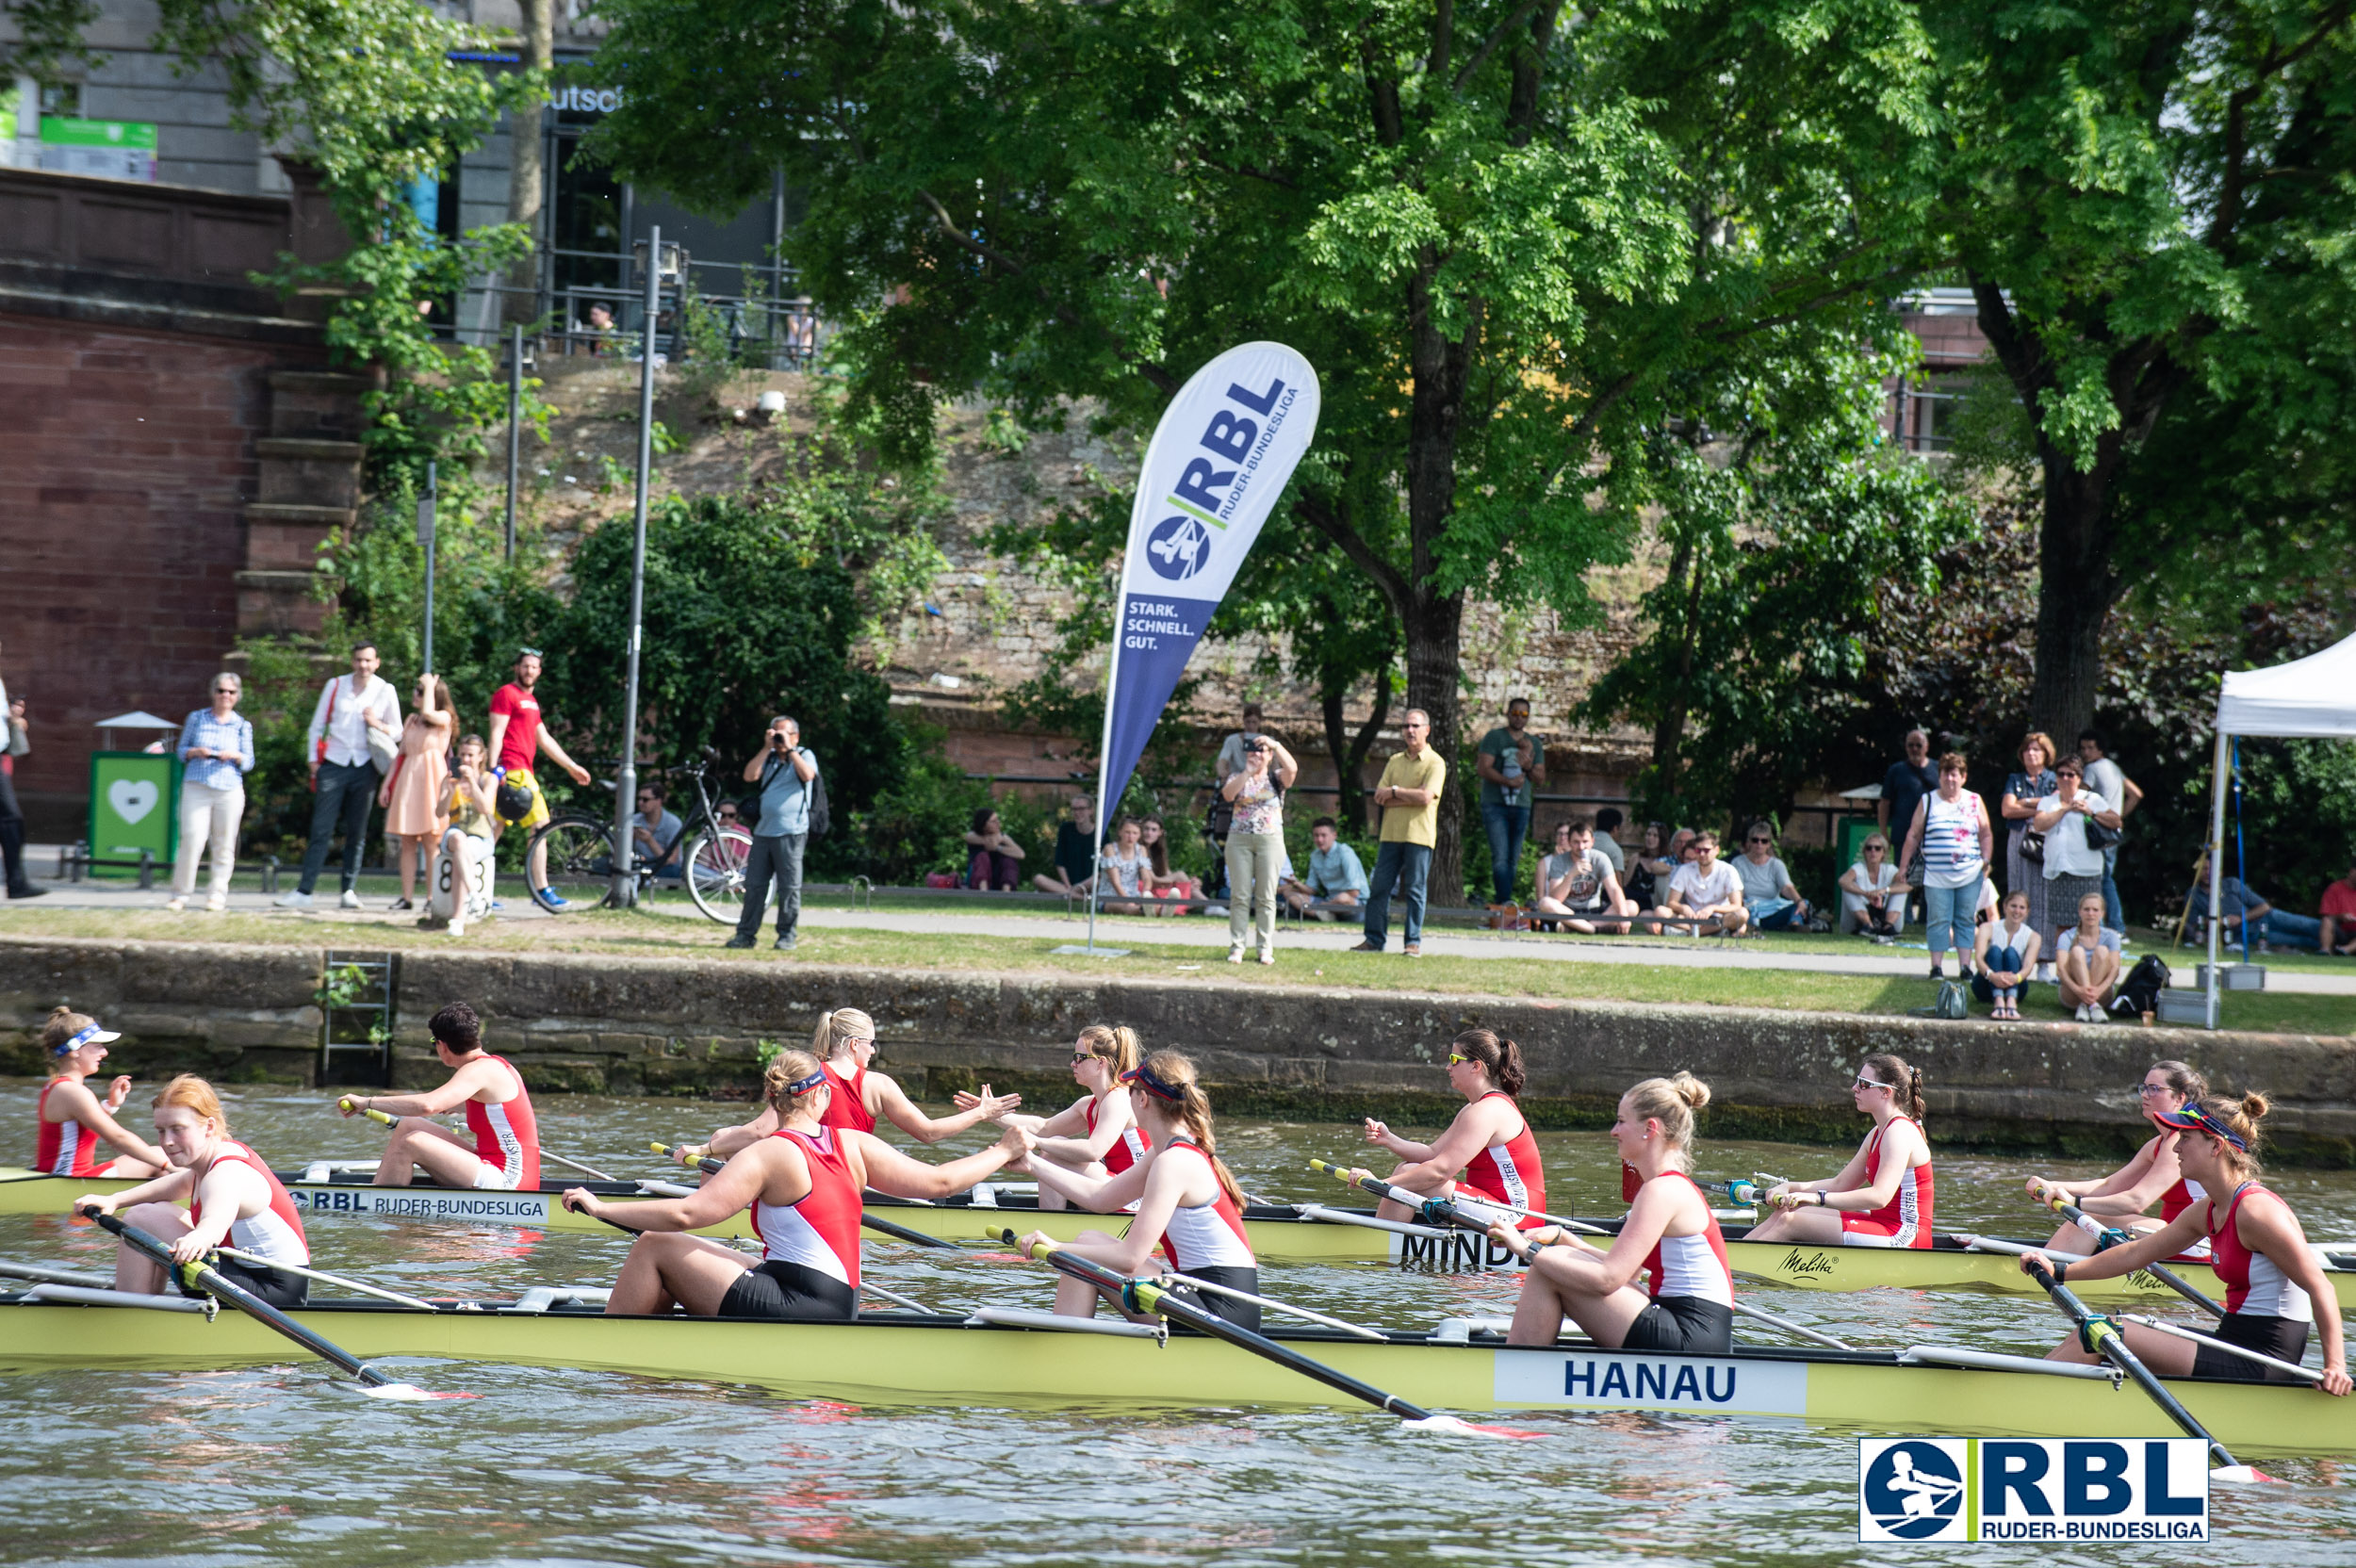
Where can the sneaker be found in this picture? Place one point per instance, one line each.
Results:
(739, 941)
(457, 926)
(554, 902)
(1217, 912)
(296, 900)
(351, 899)
(1939, 971)
(784, 945)
(1235, 955)
(1268, 955)
(400, 905)
(1412, 950)
(216, 906)
(175, 904)
(1368, 947)
(29, 891)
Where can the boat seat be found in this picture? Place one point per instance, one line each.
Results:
(88, 1296)
(665, 1189)
(1027, 1317)
(322, 1171)
(540, 1299)
(985, 1194)
(1459, 1330)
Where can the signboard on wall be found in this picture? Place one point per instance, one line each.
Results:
(114, 149)
(132, 795)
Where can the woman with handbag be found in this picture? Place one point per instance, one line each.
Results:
(412, 793)
(1255, 845)
(2024, 847)
(1952, 835)
(2076, 824)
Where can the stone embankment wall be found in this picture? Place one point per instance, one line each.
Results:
(693, 1028)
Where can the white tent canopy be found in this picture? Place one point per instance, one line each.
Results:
(2314, 696)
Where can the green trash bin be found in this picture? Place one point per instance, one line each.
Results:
(134, 805)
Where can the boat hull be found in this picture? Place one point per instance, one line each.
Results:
(905, 1359)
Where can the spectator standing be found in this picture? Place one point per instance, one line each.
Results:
(1577, 884)
(12, 815)
(1705, 889)
(2074, 867)
(356, 719)
(1256, 843)
(656, 830)
(1872, 894)
(1607, 823)
(1128, 868)
(1173, 888)
(518, 738)
(781, 769)
(1230, 749)
(412, 793)
(2087, 959)
(1768, 897)
(993, 861)
(2005, 953)
(1074, 860)
(1409, 795)
(2027, 785)
(1511, 764)
(2337, 932)
(1336, 877)
(2270, 927)
(1907, 781)
(2107, 779)
(1952, 835)
(216, 753)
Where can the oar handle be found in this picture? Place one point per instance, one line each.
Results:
(673, 1152)
(369, 1111)
(2108, 1236)
(1341, 1174)
(903, 1232)
(2103, 1338)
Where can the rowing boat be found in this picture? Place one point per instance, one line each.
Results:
(1284, 1234)
(1003, 1357)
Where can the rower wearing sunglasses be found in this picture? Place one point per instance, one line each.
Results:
(1488, 1152)
(1882, 1197)
(2275, 1291)
(2154, 1175)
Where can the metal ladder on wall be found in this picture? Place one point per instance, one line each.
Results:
(355, 998)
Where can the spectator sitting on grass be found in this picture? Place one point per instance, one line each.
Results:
(1774, 903)
(1646, 879)
(1705, 891)
(1172, 887)
(1336, 877)
(1607, 823)
(1577, 884)
(1075, 853)
(2004, 956)
(2086, 960)
(656, 830)
(1872, 894)
(993, 861)
(2338, 929)
(2270, 927)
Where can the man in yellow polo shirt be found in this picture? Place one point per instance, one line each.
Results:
(1409, 799)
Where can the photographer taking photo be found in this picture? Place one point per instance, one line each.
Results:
(783, 770)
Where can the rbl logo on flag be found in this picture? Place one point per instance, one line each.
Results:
(2045, 1490)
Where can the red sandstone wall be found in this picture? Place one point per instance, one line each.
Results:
(130, 455)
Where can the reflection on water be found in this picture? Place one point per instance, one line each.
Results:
(281, 1465)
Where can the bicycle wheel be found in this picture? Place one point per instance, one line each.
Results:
(569, 863)
(715, 873)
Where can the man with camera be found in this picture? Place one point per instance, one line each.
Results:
(782, 772)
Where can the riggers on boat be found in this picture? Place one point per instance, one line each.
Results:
(1280, 1234)
(1005, 1356)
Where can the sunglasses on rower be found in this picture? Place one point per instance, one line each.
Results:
(1865, 1082)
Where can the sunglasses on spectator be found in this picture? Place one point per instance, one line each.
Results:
(1760, 841)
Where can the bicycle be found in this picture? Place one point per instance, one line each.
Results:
(711, 861)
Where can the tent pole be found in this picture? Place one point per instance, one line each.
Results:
(2217, 867)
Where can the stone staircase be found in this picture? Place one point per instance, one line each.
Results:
(309, 492)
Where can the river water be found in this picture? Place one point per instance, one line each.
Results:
(283, 1465)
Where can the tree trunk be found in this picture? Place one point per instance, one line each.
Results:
(1350, 754)
(1435, 621)
(527, 192)
(2073, 598)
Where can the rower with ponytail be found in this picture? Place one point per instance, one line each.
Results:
(2120, 1198)
(1096, 1135)
(1883, 1196)
(1488, 1151)
(1186, 1199)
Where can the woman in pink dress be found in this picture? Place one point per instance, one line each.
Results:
(412, 793)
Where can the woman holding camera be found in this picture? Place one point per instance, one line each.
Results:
(1255, 845)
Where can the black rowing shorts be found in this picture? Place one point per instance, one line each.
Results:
(2283, 1338)
(1683, 1323)
(1244, 1315)
(275, 1287)
(788, 1290)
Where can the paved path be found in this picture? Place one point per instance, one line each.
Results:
(1209, 937)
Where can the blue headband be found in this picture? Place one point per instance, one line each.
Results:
(1143, 1074)
(803, 1085)
(2193, 1118)
(81, 1039)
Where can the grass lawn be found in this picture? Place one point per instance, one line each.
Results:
(641, 934)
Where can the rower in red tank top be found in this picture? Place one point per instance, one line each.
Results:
(1096, 1135)
(504, 1155)
(70, 1119)
(820, 1229)
(1124, 1151)
(1883, 1196)
(2121, 1199)
(847, 1107)
(1488, 1150)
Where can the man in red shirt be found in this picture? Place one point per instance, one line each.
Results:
(2339, 916)
(516, 737)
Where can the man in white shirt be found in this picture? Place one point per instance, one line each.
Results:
(1705, 889)
(344, 775)
(2106, 778)
(1230, 749)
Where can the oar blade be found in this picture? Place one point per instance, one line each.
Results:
(1457, 1425)
(2245, 1474)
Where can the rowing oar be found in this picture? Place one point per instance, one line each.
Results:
(914, 1238)
(260, 1262)
(2108, 1236)
(201, 1276)
(2102, 1337)
(546, 1153)
(1446, 1210)
(2305, 1373)
(1149, 1297)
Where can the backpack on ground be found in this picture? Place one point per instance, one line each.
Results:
(2139, 993)
(1950, 1004)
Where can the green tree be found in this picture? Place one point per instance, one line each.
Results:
(1496, 228)
(2153, 207)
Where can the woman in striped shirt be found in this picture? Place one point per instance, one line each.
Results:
(215, 754)
(1951, 833)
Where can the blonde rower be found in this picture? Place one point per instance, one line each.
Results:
(844, 1042)
(2274, 1290)
(1186, 1198)
(2121, 1198)
(1882, 1197)
(1670, 1234)
(1096, 1135)
(72, 1120)
(802, 1183)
